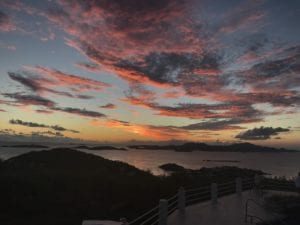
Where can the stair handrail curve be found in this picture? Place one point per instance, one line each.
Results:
(262, 206)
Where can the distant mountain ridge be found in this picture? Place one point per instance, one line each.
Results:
(194, 146)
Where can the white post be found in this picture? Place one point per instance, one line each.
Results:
(163, 212)
(238, 186)
(214, 193)
(181, 200)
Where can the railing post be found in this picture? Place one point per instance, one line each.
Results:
(214, 193)
(238, 186)
(181, 200)
(163, 212)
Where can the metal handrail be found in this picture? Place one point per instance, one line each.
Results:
(227, 183)
(258, 218)
(143, 215)
(150, 218)
(172, 198)
(197, 189)
(197, 194)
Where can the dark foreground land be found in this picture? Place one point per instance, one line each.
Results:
(64, 186)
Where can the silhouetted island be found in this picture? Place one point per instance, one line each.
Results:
(221, 160)
(172, 167)
(24, 146)
(193, 146)
(103, 147)
(65, 186)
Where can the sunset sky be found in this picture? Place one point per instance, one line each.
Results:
(194, 70)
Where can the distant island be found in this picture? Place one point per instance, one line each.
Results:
(100, 147)
(221, 160)
(185, 147)
(193, 146)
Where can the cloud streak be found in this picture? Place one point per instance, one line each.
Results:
(108, 106)
(80, 112)
(41, 80)
(23, 99)
(40, 125)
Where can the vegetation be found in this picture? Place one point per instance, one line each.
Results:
(64, 186)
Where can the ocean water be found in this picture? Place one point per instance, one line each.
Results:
(276, 164)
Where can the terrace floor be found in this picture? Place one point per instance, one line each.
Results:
(230, 210)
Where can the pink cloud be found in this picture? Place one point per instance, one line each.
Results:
(173, 94)
(6, 23)
(44, 80)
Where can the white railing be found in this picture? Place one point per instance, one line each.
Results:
(159, 214)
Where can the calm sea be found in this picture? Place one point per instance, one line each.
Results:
(277, 164)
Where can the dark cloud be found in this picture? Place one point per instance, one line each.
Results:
(89, 66)
(44, 111)
(169, 67)
(42, 136)
(108, 106)
(50, 133)
(215, 124)
(33, 124)
(261, 133)
(29, 99)
(83, 96)
(27, 124)
(27, 80)
(21, 99)
(2, 110)
(81, 112)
